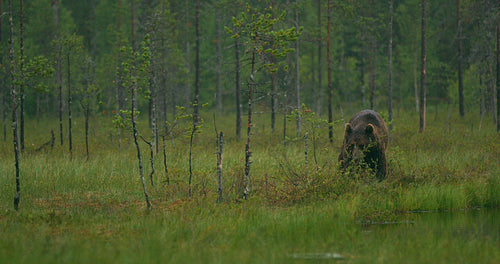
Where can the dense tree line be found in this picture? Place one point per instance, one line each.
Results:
(73, 54)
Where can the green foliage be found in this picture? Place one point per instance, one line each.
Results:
(37, 72)
(135, 68)
(258, 30)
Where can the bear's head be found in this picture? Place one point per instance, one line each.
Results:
(359, 141)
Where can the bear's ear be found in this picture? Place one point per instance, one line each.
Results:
(348, 129)
(369, 129)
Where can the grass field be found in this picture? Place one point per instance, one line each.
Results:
(75, 210)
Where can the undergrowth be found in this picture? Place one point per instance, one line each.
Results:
(67, 200)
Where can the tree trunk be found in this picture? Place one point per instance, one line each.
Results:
(132, 24)
(21, 70)
(58, 71)
(197, 65)
(422, 72)
(219, 168)
(274, 96)
(318, 98)
(329, 67)
(297, 79)
(238, 89)
(218, 82)
(14, 95)
(2, 95)
(136, 135)
(415, 82)
(118, 80)
(362, 75)
(372, 69)
(187, 94)
(153, 101)
(196, 113)
(248, 154)
(498, 76)
(70, 130)
(165, 158)
(87, 114)
(390, 64)
(460, 63)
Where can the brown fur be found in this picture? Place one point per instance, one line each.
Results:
(365, 142)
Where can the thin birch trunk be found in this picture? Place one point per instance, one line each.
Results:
(498, 76)
(118, 81)
(21, 69)
(460, 63)
(133, 22)
(318, 98)
(274, 96)
(329, 67)
(218, 82)
(14, 95)
(165, 159)
(219, 168)
(87, 113)
(151, 159)
(297, 79)
(70, 129)
(238, 89)
(391, 3)
(423, 73)
(248, 153)
(58, 71)
(136, 142)
(187, 94)
(415, 82)
(197, 91)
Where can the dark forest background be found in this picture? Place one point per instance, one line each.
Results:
(74, 54)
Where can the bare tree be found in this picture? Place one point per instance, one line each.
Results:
(136, 135)
(329, 67)
(218, 66)
(196, 112)
(70, 117)
(118, 80)
(133, 22)
(460, 63)
(14, 95)
(187, 22)
(2, 100)
(498, 75)
(391, 3)
(237, 88)
(423, 59)
(372, 68)
(219, 166)
(21, 70)
(274, 96)
(297, 79)
(318, 98)
(58, 71)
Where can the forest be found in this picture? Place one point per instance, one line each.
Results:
(72, 53)
(209, 130)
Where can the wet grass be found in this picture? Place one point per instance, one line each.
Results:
(80, 211)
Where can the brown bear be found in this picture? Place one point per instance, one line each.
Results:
(365, 141)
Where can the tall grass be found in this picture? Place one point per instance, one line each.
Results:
(79, 211)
